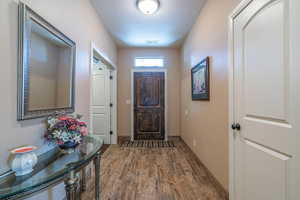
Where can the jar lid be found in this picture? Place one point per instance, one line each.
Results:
(25, 149)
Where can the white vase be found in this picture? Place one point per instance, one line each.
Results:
(23, 161)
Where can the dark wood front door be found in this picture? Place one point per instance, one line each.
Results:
(149, 105)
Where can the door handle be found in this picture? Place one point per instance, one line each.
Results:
(236, 126)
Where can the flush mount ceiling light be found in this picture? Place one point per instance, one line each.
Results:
(152, 41)
(148, 7)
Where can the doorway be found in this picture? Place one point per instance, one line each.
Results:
(149, 108)
(103, 98)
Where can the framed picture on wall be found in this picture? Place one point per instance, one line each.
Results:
(200, 80)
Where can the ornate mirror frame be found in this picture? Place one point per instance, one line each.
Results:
(25, 14)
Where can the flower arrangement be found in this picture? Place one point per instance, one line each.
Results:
(65, 130)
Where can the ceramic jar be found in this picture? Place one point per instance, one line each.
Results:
(23, 160)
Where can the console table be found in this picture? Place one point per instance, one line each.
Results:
(54, 167)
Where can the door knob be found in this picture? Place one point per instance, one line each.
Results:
(236, 126)
(233, 126)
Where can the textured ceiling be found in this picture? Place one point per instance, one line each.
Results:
(166, 28)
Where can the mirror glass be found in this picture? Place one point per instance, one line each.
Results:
(49, 70)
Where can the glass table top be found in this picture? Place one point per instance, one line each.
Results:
(52, 165)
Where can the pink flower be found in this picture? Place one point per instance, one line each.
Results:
(73, 127)
(71, 120)
(60, 142)
(82, 124)
(84, 131)
(62, 118)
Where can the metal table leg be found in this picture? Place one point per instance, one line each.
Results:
(97, 176)
(71, 185)
(78, 189)
(83, 180)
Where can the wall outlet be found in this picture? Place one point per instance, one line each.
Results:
(194, 143)
(186, 112)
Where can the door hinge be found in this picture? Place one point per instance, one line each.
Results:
(111, 132)
(111, 77)
(111, 105)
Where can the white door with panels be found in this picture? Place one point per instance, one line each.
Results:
(100, 108)
(266, 101)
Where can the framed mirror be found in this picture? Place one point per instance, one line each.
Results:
(46, 71)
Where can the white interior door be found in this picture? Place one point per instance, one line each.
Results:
(267, 100)
(100, 108)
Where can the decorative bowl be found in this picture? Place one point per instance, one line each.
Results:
(68, 145)
(23, 161)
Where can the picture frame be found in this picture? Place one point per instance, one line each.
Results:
(200, 81)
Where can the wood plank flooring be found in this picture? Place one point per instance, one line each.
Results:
(153, 174)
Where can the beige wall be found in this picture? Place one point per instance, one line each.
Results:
(204, 124)
(79, 21)
(126, 58)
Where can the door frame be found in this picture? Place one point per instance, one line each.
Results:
(241, 6)
(165, 71)
(113, 119)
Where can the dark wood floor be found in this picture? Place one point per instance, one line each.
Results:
(154, 174)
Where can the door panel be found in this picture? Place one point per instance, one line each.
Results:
(260, 32)
(99, 124)
(99, 97)
(148, 91)
(148, 121)
(267, 146)
(149, 112)
(267, 166)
